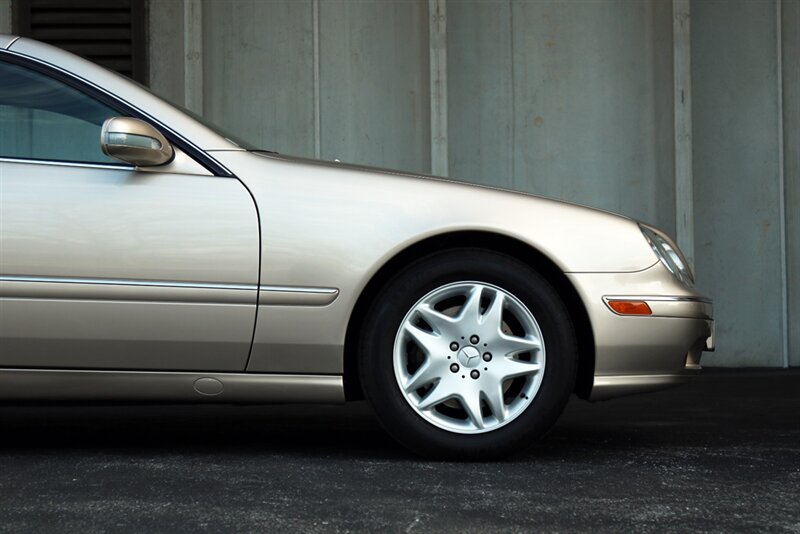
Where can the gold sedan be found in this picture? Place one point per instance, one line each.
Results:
(146, 256)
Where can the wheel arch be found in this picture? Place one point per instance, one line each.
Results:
(490, 241)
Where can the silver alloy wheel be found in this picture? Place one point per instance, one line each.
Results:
(469, 357)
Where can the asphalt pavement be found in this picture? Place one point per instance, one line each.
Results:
(721, 454)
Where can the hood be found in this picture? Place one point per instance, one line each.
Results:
(382, 171)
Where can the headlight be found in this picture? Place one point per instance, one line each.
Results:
(669, 254)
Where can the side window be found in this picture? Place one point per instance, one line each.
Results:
(44, 119)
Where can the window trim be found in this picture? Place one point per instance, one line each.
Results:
(108, 166)
(113, 101)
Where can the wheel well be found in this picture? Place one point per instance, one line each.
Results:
(489, 241)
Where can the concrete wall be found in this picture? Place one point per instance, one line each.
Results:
(374, 83)
(259, 75)
(568, 99)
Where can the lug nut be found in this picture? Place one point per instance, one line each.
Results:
(454, 346)
(454, 367)
(487, 356)
(475, 373)
(474, 339)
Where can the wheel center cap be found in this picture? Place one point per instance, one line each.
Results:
(469, 357)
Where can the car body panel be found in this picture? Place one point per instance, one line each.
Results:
(125, 269)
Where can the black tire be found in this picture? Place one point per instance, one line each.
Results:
(401, 293)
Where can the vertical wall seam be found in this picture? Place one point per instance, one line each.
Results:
(437, 31)
(317, 120)
(682, 111)
(512, 147)
(193, 55)
(782, 186)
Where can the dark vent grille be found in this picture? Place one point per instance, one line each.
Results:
(108, 32)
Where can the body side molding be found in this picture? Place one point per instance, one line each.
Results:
(296, 296)
(41, 287)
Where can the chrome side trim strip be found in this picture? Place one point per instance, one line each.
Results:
(120, 167)
(46, 288)
(296, 296)
(126, 282)
(52, 287)
(138, 386)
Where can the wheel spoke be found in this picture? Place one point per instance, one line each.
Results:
(494, 313)
(437, 395)
(427, 373)
(512, 345)
(472, 405)
(440, 322)
(494, 398)
(511, 368)
(471, 310)
(426, 340)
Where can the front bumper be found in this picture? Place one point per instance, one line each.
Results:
(642, 353)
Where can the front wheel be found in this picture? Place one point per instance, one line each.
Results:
(467, 354)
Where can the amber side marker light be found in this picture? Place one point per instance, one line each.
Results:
(630, 307)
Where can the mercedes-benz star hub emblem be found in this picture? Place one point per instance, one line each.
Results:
(469, 356)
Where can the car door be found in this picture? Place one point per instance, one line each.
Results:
(105, 266)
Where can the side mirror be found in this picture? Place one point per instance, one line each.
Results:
(135, 141)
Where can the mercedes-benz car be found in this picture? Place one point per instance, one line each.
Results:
(146, 255)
